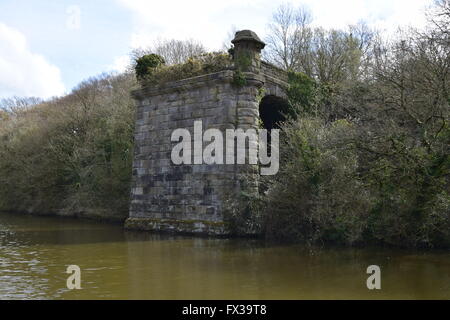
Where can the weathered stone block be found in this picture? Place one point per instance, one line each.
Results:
(189, 198)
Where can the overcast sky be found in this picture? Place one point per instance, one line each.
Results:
(47, 46)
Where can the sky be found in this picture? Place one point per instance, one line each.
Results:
(47, 47)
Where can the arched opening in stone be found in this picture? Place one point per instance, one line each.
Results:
(273, 111)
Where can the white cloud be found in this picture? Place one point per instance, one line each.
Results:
(204, 20)
(386, 15)
(402, 13)
(22, 72)
(209, 21)
(120, 64)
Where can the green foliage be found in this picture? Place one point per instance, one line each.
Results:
(239, 78)
(195, 66)
(71, 155)
(339, 183)
(231, 51)
(317, 194)
(243, 207)
(368, 158)
(301, 92)
(261, 94)
(146, 64)
(243, 61)
(241, 64)
(410, 188)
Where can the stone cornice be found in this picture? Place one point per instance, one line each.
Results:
(183, 85)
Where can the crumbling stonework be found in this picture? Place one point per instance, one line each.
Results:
(189, 198)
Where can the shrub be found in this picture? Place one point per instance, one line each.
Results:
(317, 194)
(195, 66)
(243, 207)
(301, 92)
(146, 64)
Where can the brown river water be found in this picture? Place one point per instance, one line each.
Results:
(117, 264)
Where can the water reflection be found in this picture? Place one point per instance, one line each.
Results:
(115, 264)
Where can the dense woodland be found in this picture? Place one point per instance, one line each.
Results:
(365, 147)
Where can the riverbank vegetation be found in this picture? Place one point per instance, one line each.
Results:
(365, 151)
(366, 159)
(70, 155)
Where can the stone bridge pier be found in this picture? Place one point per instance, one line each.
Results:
(189, 198)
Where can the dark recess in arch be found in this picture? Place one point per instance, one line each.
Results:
(273, 111)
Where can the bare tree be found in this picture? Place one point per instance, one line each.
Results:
(178, 51)
(289, 37)
(173, 51)
(335, 56)
(366, 38)
(15, 104)
(326, 55)
(439, 17)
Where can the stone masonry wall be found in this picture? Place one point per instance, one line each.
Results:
(188, 198)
